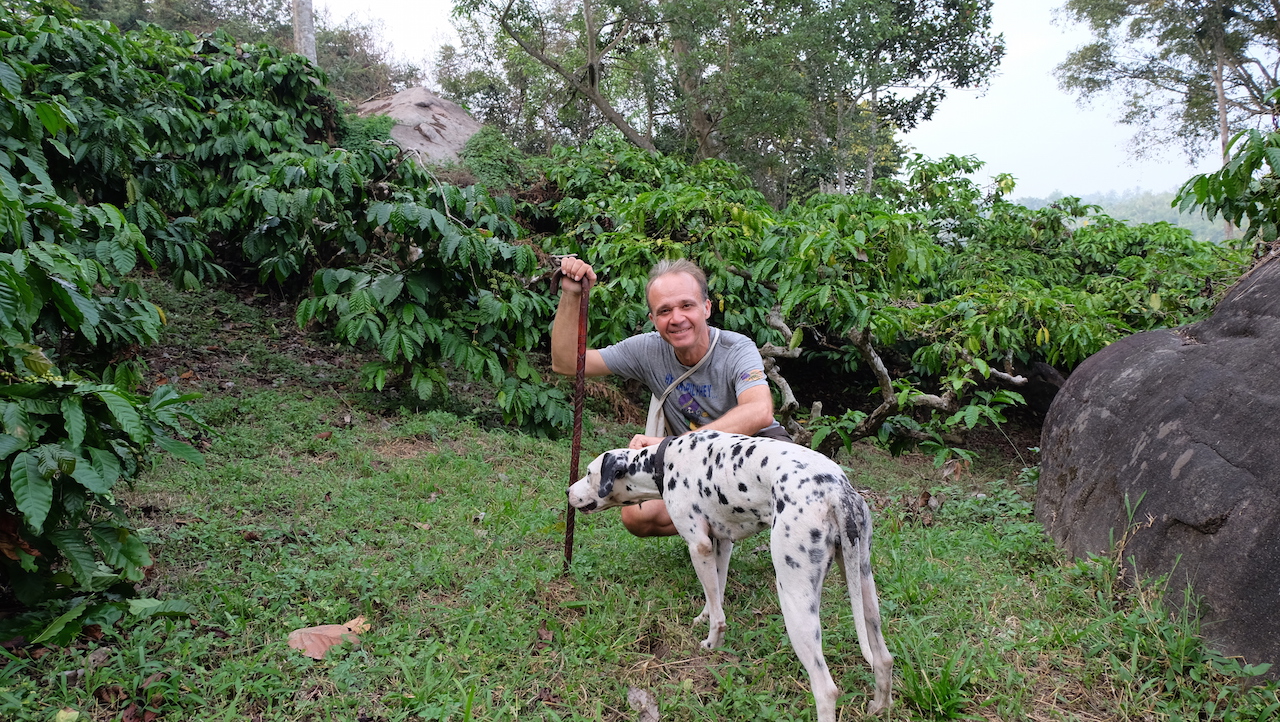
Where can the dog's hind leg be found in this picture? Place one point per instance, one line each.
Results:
(723, 549)
(705, 554)
(855, 563)
(800, 596)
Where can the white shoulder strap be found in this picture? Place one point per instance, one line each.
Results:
(656, 425)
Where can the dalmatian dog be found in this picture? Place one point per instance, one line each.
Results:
(720, 488)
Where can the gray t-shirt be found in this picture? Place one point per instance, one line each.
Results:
(735, 366)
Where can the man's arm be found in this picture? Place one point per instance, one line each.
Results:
(564, 332)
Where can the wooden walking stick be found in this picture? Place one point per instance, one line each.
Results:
(579, 394)
(579, 397)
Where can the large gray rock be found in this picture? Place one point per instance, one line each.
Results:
(425, 122)
(1185, 424)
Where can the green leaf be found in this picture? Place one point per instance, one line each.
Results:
(89, 478)
(32, 492)
(73, 419)
(78, 554)
(10, 444)
(155, 608)
(181, 449)
(125, 414)
(56, 626)
(106, 464)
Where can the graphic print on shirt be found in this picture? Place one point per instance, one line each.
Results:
(689, 393)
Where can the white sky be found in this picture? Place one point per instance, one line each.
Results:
(1023, 124)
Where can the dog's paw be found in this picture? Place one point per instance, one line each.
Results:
(878, 707)
(702, 618)
(709, 643)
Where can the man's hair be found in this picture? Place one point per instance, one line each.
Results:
(678, 265)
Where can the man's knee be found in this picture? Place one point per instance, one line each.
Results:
(648, 519)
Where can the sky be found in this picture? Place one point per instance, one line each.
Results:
(1022, 124)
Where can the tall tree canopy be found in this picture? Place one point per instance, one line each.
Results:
(1189, 71)
(350, 51)
(803, 94)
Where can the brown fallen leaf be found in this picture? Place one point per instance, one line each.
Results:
(642, 701)
(422, 525)
(186, 375)
(323, 435)
(251, 536)
(110, 694)
(316, 641)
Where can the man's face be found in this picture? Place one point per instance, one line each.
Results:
(678, 310)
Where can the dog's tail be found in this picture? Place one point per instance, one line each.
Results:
(855, 562)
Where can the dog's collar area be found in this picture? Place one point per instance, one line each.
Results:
(660, 462)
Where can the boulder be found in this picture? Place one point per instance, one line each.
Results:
(425, 122)
(1168, 440)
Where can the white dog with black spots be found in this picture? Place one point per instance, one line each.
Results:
(720, 488)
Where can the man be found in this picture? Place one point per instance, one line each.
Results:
(727, 393)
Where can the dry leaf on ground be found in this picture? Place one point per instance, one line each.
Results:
(642, 701)
(316, 641)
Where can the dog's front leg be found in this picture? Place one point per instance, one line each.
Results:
(704, 552)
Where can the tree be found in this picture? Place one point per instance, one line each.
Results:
(349, 51)
(304, 29)
(788, 89)
(1190, 71)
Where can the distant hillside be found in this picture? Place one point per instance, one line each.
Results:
(1139, 206)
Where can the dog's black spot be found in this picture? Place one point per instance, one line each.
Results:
(764, 462)
(742, 486)
(697, 509)
(724, 500)
(733, 452)
(813, 608)
(816, 554)
(686, 483)
(783, 479)
(719, 459)
(750, 450)
(706, 490)
(711, 470)
(781, 505)
(739, 510)
(671, 485)
(815, 535)
(632, 468)
(791, 562)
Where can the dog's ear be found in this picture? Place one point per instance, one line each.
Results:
(611, 467)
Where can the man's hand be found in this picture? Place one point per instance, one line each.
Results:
(573, 270)
(639, 441)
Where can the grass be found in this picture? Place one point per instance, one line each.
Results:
(316, 506)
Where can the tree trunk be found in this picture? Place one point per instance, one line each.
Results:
(1219, 85)
(688, 78)
(871, 145)
(588, 85)
(304, 29)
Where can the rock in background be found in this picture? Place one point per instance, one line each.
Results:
(1185, 424)
(425, 122)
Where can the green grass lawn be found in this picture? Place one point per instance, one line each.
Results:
(448, 538)
(318, 505)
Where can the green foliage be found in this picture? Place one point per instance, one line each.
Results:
(66, 445)
(803, 95)
(496, 163)
(1244, 191)
(947, 277)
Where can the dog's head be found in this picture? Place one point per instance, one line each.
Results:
(615, 478)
